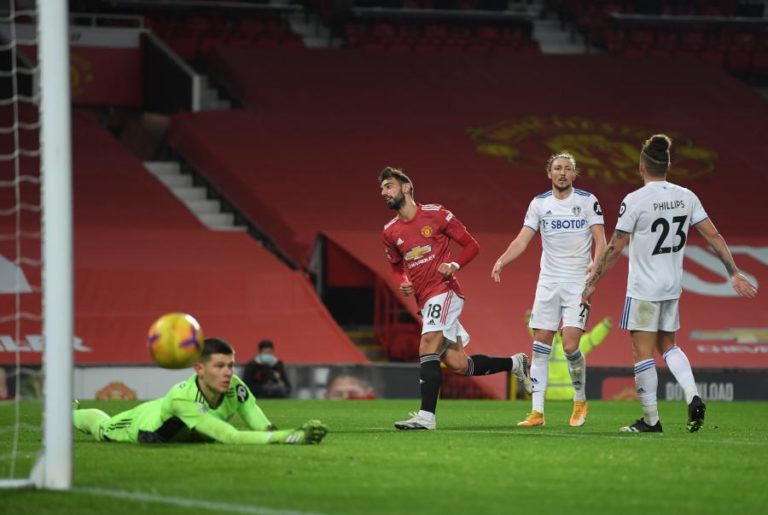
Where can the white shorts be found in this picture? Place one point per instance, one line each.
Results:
(441, 313)
(650, 315)
(556, 302)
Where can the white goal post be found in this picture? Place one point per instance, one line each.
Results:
(53, 470)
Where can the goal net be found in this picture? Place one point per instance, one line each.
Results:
(36, 321)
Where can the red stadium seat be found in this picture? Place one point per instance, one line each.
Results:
(760, 64)
(665, 44)
(691, 43)
(185, 46)
(251, 26)
(640, 42)
(195, 26)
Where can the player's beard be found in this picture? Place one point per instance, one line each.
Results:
(563, 189)
(396, 202)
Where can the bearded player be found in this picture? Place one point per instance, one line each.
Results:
(417, 245)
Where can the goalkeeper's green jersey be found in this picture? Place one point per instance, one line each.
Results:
(185, 415)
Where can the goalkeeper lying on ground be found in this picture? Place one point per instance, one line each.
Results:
(197, 410)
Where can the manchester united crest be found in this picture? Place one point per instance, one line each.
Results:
(81, 74)
(606, 151)
(426, 231)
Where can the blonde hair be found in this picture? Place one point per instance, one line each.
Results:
(554, 157)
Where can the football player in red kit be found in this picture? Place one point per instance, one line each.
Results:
(417, 245)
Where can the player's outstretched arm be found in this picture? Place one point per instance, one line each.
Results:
(252, 414)
(595, 337)
(309, 433)
(515, 248)
(739, 281)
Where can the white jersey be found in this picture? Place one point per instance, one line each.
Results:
(566, 234)
(658, 216)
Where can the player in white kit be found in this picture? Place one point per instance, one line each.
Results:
(654, 221)
(569, 221)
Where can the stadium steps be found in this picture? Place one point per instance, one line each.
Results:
(210, 99)
(364, 339)
(553, 38)
(313, 32)
(207, 210)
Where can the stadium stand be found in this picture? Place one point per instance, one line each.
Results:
(474, 133)
(730, 34)
(139, 253)
(300, 160)
(192, 27)
(195, 33)
(435, 30)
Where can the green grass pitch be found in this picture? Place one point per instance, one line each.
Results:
(477, 462)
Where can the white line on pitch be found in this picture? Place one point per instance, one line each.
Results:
(188, 503)
(625, 436)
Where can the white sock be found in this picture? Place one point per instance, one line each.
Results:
(647, 382)
(540, 374)
(577, 366)
(680, 367)
(427, 415)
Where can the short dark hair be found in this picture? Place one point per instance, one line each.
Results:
(215, 346)
(655, 155)
(266, 344)
(395, 173)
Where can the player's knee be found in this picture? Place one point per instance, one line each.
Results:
(430, 343)
(570, 347)
(544, 336)
(459, 368)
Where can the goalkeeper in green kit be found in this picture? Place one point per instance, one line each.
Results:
(198, 410)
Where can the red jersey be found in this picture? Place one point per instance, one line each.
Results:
(418, 247)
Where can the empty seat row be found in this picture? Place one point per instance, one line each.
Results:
(438, 37)
(743, 52)
(192, 35)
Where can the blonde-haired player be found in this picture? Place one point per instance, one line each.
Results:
(570, 221)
